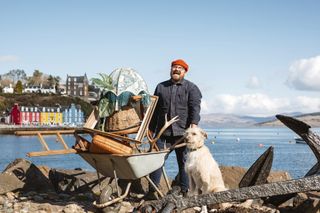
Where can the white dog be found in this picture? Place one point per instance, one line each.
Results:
(203, 171)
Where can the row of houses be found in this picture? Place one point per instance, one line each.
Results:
(41, 116)
(31, 89)
(75, 86)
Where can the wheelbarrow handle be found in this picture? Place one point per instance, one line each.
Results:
(177, 144)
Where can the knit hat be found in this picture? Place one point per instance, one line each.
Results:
(181, 63)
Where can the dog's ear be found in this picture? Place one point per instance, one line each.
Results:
(204, 134)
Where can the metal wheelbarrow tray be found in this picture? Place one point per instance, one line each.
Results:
(129, 167)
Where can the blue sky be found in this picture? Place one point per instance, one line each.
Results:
(247, 57)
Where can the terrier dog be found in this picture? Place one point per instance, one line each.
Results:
(203, 171)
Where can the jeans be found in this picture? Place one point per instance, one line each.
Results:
(181, 154)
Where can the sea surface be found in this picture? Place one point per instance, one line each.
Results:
(230, 147)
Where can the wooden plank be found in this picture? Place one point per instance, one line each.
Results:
(43, 142)
(147, 118)
(81, 143)
(259, 171)
(260, 191)
(52, 152)
(92, 119)
(44, 132)
(107, 134)
(60, 138)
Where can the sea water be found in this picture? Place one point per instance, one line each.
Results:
(230, 147)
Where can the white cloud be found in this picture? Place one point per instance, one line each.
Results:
(8, 58)
(306, 104)
(304, 74)
(259, 105)
(253, 83)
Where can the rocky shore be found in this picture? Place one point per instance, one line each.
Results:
(25, 187)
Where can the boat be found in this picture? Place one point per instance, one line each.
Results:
(299, 140)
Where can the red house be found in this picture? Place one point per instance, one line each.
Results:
(15, 115)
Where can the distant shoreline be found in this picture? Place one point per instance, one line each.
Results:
(11, 129)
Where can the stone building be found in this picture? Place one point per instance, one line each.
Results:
(77, 86)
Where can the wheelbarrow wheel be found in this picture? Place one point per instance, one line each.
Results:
(105, 195)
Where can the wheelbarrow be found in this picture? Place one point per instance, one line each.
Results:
(121, 166)
(126, 167)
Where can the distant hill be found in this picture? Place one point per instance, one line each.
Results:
(313, 119)
(216, 120)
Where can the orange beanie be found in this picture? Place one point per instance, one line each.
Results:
(181, 63)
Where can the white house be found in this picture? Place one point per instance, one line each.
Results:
(39, 89)
(7, 89)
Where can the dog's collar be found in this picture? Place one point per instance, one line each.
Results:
(192, 150)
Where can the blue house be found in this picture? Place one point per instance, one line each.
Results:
(73, 115)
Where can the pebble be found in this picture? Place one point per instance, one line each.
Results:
(10, 195)
(72, 208)
(2, 200)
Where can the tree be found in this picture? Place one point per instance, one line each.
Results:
(18, 88)
(53, 81)
(15, 75)
(36, 78)
(5, 82)
(57, 84)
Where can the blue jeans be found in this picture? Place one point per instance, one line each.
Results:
(181, 154)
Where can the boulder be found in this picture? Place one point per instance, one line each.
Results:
(232, 176)
(80, 181)
(9, 183)
(25, 176)
(75, 181)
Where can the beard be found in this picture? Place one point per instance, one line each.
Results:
(178, 72)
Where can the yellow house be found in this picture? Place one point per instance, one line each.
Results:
(51, 116)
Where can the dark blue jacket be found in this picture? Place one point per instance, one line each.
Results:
(182, 99)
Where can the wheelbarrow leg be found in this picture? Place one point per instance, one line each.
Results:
(154, 186)
(103, 205)
(166, 178)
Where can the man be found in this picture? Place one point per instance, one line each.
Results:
(177, 97)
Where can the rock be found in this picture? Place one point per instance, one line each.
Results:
(9, 183)
(11, 196)
(73, 181)
(2, 200)
(79, 181)
(38, 198)
(276, 176)
(125, 207)
(232, 176)
(64, 196)
(72, 208)
(26, 176)
(311, 205)
(45, 207)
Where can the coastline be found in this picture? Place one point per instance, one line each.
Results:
(11, 129)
